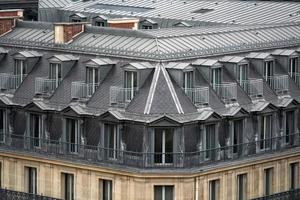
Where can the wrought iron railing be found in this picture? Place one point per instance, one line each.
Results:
(199, 96)
(226, 91)
(99, 154)
(6, 194)
(287, 195)
(83, 90)
(253, 87)
(121, 96)
(10, 81)
(45, 85)
(279, 83)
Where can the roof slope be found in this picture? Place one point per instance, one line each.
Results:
(238, 12)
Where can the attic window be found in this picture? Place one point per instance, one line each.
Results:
(202, 10)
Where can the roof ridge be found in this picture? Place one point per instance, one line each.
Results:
(152, 89)
(172, 90)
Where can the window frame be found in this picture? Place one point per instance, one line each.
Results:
(35, 141)
(102, 185)
(268, 70)
(22, 64)
(165, 157)
(163, 191)
(293, 65)
(214, 193)
(264, 143)
(64, 189)
(56, 69)
(73, 147)
(268, 181)
(130, 89)
(245, 186)
(32, 185)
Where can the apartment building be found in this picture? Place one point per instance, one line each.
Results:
(205, 113)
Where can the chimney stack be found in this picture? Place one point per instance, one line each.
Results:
(7, 24)
(127, 23)
(12, 13)
(65, 32)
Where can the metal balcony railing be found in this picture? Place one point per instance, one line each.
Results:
(10, 81)
(83, 90)
(45, 85)
(279, 83)
(6, 194)
(226, 91)
(199, 96)
(253, 87)
(293, 194)
(121, 96)
(99, 154)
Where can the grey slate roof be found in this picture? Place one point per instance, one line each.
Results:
(238, 12)
(147, 46)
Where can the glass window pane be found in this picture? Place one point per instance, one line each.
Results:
(158, 193)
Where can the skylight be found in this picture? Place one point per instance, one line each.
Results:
(112, 7)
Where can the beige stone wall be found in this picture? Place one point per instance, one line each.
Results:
(137, 186)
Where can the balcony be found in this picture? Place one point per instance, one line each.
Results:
(10, 81)
(279, 83)
(81, 90)
(199, 96)
(14, 195)
(56, 149)
(287, 195)
(226, 91)
(253, 87)
(45, 85)
(121, 96)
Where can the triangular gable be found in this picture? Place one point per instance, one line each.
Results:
(213, 117)
(62, 58)
(241, 112)
(100, 17)
(291, 104)
(269, 108)
(110, 116)
(182, 24)
(72, 112)
(4, 102)
(33, 107)
(99, 62)
(26, 54)
(164, 121)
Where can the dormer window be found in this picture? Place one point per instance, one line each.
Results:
(216, 76)
(293, 67)
(92, 79)
(77, 17)
(268, 69)
(55, 73)
(130, 84)
(100, 21)
(188, 82)
(241, 73)
(148, 24)
(20, 68)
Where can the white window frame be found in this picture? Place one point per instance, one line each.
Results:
(22, 66)
(130, 89)
(268, 69)
(245, 189)
(291, 66)
(56, 67)
(115, 136)
(264, 133)
(95, 71)
(76, 135)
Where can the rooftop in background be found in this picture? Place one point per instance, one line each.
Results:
(167, 12)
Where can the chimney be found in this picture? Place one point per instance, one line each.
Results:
(7, 24)
(65, 32)
(127, 23)
(12, 13)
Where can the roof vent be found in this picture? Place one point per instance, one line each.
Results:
(203, 10)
